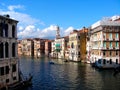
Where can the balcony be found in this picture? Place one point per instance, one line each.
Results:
(95, 48)
(110, 39)
(103, 47)
(104, 39)
(94, 39)
(116, 47)
(116, 39)
(110, 47)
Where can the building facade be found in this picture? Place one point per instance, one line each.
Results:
(47, 47)
(105, 45)
(36, 47)
(27, 47)
(19, 47)
(74, 43)
(83, 36)
(8, 51)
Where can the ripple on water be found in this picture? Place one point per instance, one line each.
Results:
(67, 76)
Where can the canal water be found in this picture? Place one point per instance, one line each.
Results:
(67, 75)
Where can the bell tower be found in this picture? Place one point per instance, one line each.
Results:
(57, 32)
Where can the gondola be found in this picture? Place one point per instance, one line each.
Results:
(21, 84)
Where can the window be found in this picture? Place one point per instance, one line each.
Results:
(110, 53)
(14, 68)
(14, 78)
(117, 44)
(104, 36)
(1, 50)
(7, 70)
(13, 50)
(110, 36)
(110, 61)
(116, 35)
(1, 29)
(110, 44)
(104, 44)
(6, 50)
(78, 37)
(13, 31)
(116, 52)
(7, 80)
(107, 61)
(99, 61)
(6, 30)
(103, 53)
(104, 61)
(1, 71)
(116, 61)
(72, 45)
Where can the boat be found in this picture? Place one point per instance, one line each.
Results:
(116, 71)
(93, 64)
(21, 84)
(88, 62)
(65, 60)
(51, 62)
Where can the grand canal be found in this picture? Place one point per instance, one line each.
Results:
(67, 75)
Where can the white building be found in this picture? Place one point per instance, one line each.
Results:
(74, 44)
(8, 51)
(58, 48)
(105, 37)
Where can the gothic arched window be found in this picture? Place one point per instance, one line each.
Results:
(6, 50)
(1, 50)
(13, 50)
(6, 30)
(1, 29)
(13, 31)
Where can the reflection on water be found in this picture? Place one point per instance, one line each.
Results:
(67, 75)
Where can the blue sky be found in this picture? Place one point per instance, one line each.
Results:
(37, 18)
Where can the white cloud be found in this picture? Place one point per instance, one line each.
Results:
(32, 31)
(24, 19)
(27, 26)
(26, 32)
(68, 30)
(12, 7)
(20, 28)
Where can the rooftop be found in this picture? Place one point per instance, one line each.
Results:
(113, 21)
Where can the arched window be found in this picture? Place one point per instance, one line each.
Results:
(1, 50)
(6, 50)
(72, 45)
(13, 31)
(13, 50)
(1, 29)
(6, 30)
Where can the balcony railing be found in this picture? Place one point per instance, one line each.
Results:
(117, 39)
(103, 47)
(110, 47)
(110, 39)
(116, 47)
